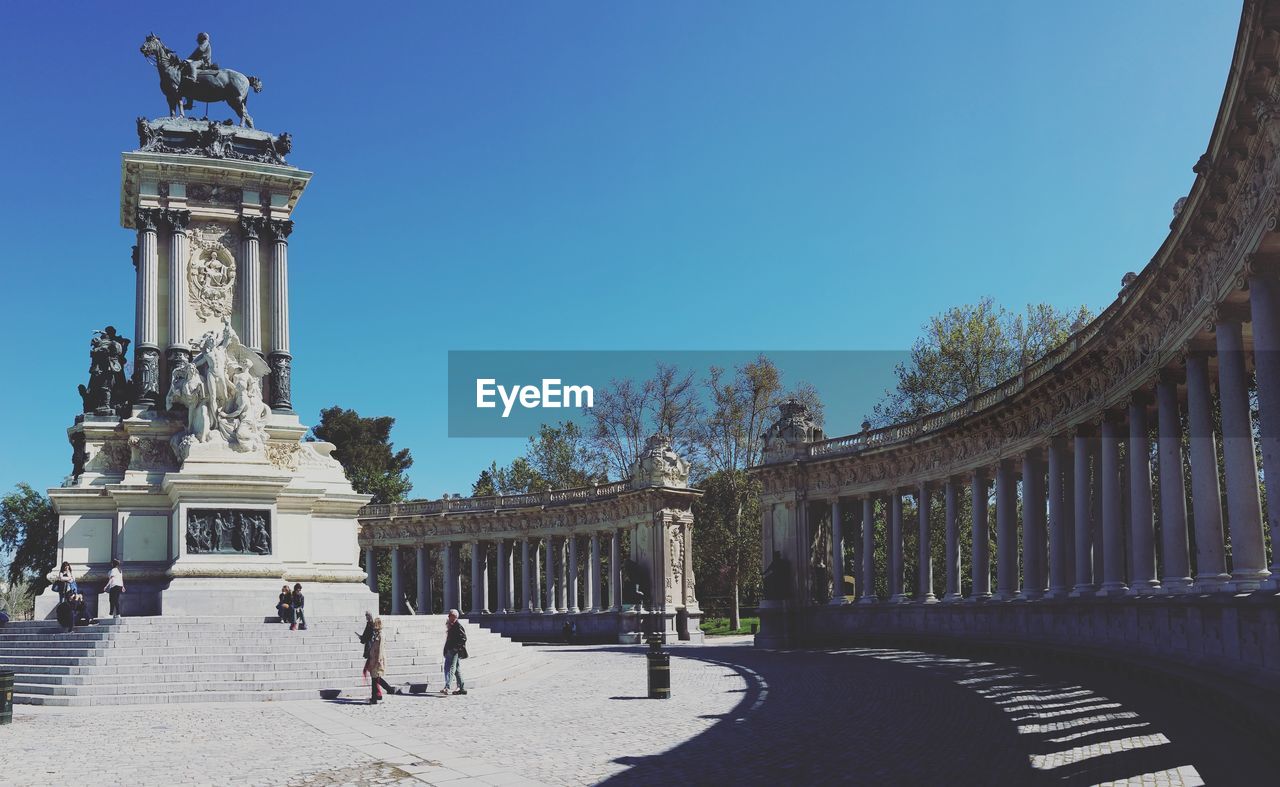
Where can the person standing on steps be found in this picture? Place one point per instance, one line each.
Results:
(455, 649)
(115, 586)
(375, 664)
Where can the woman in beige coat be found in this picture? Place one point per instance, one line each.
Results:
(376, 664)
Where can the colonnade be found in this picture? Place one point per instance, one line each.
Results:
(1077, 512)
(550, 579)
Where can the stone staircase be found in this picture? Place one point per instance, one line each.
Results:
(221, 659)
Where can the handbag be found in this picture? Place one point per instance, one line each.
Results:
(462, 652)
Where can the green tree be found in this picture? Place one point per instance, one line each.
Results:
(557, 457)
(627, 412)
(28, 531)
(968, 349)
(364, 448)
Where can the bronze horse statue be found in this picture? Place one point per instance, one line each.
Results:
(209, 85)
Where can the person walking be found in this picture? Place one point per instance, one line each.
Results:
(375, 664)
(455, 649)
(115, 586)
(366, 638)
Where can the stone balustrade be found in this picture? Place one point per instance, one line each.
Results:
(1102, 459)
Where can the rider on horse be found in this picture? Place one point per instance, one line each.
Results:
(202, 57)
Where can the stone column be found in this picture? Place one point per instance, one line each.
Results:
(549, 606)
(868, 590)
(981, 538)
(952, 525)
(146, 335)
(250, 280)
(562, 575)
(424, 580)
(1033, 531)
(371, 569)
(535, 572)
(924, 556)
(526, 585)
(452, 577)
(278, 356)
(615, 571)
(1142, 533)
(837, 555)
(1206, 494)
(479, 579)
(501, 603)
(509, 586)
(397, 583)
(1264, 303)
(571, 580)
(1006, 532)
(897, 594)
(1059, 546)
(1176, 568)
(593, 576)
(178, 348)
(1084, 522)
(1244, 509)
(1112, 514)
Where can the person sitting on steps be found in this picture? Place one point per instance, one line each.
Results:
(299, 618)
(284, 607)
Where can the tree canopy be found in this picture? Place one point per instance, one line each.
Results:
(364, 448)
(28, 531)
(967, 349)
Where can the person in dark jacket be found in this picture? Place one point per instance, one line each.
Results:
(367, 637)
(299, 619)
(284, 607)
(455, 649)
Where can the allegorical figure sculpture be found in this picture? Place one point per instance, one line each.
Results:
(222, 391)
(184, 82)
(108, 389)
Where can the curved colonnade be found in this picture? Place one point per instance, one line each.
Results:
(1123, 467)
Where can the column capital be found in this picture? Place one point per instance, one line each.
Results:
(280, 229)
(146, 219)
(176, 219)
(251, 227)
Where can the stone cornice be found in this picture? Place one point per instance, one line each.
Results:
(1228, 216)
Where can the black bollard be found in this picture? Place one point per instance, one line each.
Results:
(659, 669)
(6, 697)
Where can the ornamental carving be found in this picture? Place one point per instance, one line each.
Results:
(215, 194)
(149, 453)
(211, 272)
(228, 531)
(115, 456)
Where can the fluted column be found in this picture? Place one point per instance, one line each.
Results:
(1006, 532)
(424, 580)
(371, 569)
(571, 580)
(1206, 494)
(1033, 530)
(615, 570)
(549, 605)
(526, 586)
(146, 348)
(562, 594)
(1244, 509)
(278, 356)
(397, 583)
(1059, 543)
(1175, 575)
(1084, 515)
(897, 591)
(837, 555)
(952, 524)
(503, 601)
(479, 579)
(178, 347)
(593, 576)
(924, 555)
(868, 590)
(250, 281)
(1112, 514)
(1264, 305)
(981, 545)
(1142, 533)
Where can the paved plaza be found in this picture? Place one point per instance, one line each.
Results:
(738, 715)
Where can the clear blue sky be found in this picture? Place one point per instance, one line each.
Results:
(585, 175)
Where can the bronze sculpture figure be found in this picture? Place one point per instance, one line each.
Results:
(199, 79)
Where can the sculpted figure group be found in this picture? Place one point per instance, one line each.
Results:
(222, 391)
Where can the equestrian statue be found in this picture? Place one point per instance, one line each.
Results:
(198, 78)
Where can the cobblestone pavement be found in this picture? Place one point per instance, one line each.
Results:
(737, 715)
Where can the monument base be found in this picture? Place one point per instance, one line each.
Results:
(221, 597)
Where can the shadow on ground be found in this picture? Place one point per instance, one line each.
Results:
(885, 716)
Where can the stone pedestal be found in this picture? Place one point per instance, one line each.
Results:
(777, 629)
